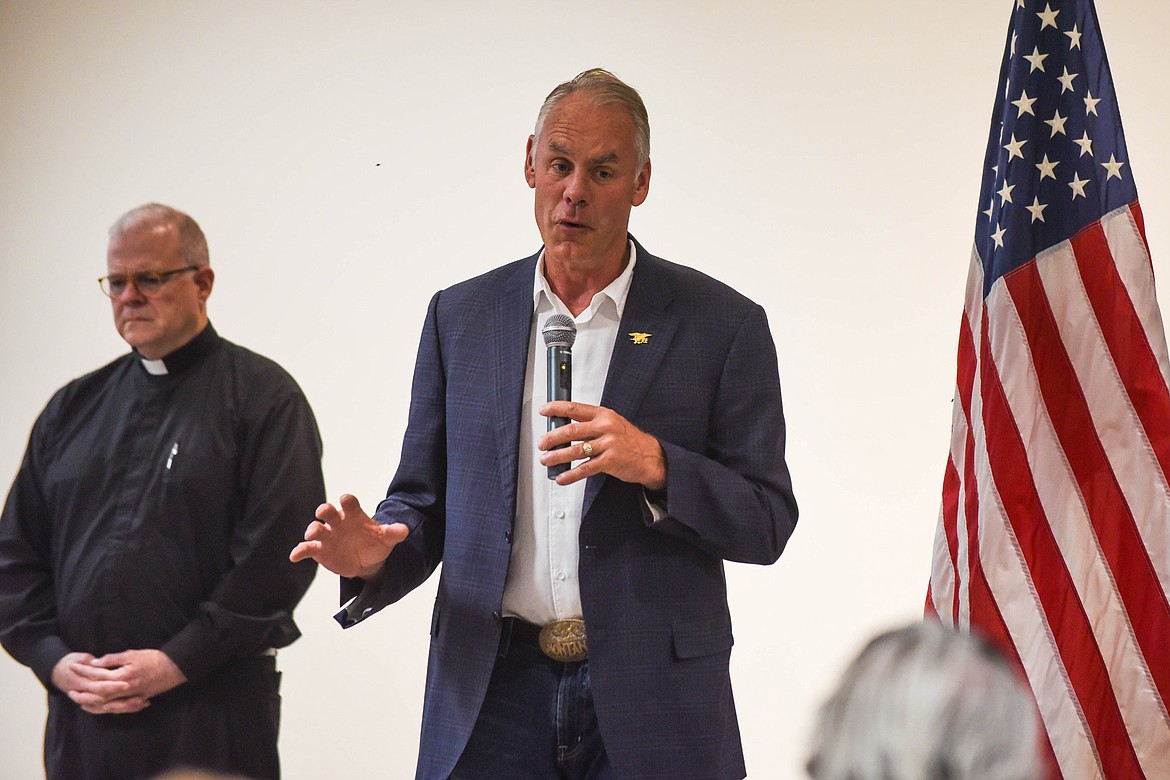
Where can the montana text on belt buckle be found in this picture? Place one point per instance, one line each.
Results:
(564, 640)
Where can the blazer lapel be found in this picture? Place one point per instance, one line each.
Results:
(510, 332)
(645, 333)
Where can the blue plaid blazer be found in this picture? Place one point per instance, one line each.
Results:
(654, 597)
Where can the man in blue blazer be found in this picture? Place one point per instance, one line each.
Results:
(581, 627)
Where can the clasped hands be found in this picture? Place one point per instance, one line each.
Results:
(347, 541)
(116, 683)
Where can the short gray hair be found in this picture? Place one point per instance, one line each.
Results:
(926, 702)
(192, 242)
(603, 89)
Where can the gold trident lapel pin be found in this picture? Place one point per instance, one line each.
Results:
(640, 338)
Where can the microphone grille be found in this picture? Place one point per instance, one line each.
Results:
(559, 331)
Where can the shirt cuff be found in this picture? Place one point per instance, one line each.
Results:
(655, 501)
(363, 596)
(45, 655)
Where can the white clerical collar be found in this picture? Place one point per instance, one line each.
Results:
(178, 360)
(155, 367)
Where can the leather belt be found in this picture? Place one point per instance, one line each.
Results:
(561, 640)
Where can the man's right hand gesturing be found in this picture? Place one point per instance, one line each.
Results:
(347, 541)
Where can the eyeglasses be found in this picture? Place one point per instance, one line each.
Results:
(148, 283)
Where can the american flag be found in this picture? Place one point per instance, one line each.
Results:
(1054, 532)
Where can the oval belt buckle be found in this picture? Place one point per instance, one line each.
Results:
(564, 640)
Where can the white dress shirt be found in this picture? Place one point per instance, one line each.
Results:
(542, 583)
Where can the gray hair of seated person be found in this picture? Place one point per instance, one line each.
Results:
(926, 702)
(196, 774)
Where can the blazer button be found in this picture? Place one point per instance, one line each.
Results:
(496, 616)
(508, 536)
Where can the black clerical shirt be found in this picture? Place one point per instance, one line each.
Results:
(157, 511)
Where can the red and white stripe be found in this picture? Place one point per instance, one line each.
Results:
(1054, 533)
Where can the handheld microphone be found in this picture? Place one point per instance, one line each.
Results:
(559, 333)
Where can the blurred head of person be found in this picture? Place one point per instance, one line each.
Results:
(926, 702)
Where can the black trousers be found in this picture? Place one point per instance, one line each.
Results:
(227, 722)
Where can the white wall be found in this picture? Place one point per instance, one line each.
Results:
(348, 159)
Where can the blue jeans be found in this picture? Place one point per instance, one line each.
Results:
(537, 721)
